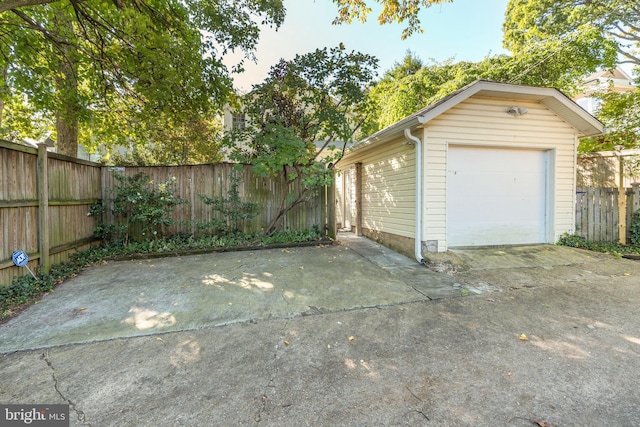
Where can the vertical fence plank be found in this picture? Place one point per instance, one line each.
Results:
(597, 217)
(216, 181)
(44, 199)
(43, 208)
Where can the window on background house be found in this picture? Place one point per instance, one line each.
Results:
(592, 105)
(238, 122)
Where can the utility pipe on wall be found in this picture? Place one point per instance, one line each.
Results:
(414, 140)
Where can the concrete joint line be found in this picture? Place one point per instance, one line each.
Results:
(79, 413)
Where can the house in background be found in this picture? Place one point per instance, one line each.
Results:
(602, 169)
(233, 120)
(491, 164)
(601, 82)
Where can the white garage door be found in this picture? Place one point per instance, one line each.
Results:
(496, 196)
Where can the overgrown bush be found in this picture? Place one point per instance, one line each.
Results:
(140, 210)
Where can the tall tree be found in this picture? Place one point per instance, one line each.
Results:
(348, 10)
(80, 61)
(597, 29)
(300, 119)
(601, 33)
(145, 58)
(193, 141)
(399, 93)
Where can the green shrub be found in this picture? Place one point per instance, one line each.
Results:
(140, 210)
(616, 249)
(634, 228)
(573, 240)
(231, 212)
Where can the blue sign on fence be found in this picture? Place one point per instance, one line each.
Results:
(20, 258)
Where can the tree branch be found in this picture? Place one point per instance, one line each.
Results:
(632, 59)
(6, 5)
(625, 34)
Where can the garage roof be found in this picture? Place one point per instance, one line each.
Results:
(556, 101)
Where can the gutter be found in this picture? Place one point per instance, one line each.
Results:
(417, 143)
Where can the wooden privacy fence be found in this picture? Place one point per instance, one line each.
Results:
(597, 212)
(45, 200)
(215, 180)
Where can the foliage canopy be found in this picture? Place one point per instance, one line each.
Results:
(598, 30)
(119, 67)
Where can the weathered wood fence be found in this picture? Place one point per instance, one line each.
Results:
(215, 180)
(45, 200)
(597, 214)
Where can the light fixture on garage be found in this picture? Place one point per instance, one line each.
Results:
(516, 111)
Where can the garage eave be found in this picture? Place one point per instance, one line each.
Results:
(573, 114)
(556, 101)
(584, 123)
(394, 131)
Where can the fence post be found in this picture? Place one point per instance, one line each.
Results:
(330, 204)
(622, 203)
(43, 208)
(635, 197)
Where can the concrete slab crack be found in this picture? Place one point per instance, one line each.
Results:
(258, 416)
(264, 398)
(79, 413)
(420, 292)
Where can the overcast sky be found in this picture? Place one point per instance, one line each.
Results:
(463, 30)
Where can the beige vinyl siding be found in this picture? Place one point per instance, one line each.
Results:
(484, 122)
(388, 187)
(339, 185)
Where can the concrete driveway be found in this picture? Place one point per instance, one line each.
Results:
(147, 297)
(352, 334)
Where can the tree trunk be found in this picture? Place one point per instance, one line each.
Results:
(284, 209)
(1, 110)
(67, 128)
(67, 92)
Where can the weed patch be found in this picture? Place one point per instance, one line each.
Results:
(616, 249)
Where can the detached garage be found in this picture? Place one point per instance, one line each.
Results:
(491, 164)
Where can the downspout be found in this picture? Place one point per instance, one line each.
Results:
(415, 141)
